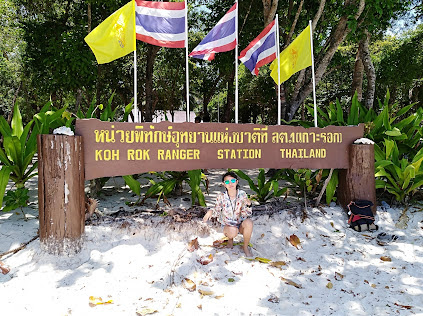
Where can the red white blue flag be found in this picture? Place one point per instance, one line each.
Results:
(221, 38)
(160, 23)
(261, 51)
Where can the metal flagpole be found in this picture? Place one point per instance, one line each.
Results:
(236, 64)
(279, 68)
(312, 71)
(186, 58)
(137, 116)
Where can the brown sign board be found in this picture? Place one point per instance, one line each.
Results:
(116, 149)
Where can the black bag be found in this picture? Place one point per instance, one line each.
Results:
(361, 215)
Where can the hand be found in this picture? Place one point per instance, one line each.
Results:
(207, 216)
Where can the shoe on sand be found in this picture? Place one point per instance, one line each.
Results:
(384, 239)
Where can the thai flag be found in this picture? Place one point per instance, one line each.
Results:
(160, 23)
(261, 51)
(221, 38)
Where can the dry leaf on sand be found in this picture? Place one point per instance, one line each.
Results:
(220, 243)
(189, 285)
(294, 240)
(204, 292)
(146, 311)
(277, 264)
(273, 299)
(338, 276)
(384, 258)
(403, 306)
(290, 282)
(205, 259)
(193, 245)
(4, 269)
(94, 301)
(329, 285)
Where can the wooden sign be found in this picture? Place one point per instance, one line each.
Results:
(115, 149)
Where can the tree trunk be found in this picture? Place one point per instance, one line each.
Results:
(370, 72)
(269, 10)
(291, 31)
(230, 99)
(61, 198)
(357, 82)
(149, 106)
(89, 18)
(337, 36)
(358, 181)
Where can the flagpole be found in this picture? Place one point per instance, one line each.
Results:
(136, 114)
(279, 68)
(236, 64)
(312, 71)
(186, 59)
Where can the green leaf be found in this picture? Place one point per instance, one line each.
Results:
(133, 184)
(382, 164)
(17, 127)
(394, 132)
(4, 159)
(4, 127)
(353, 116)
(243, 176)
(389, 147)
(331, 187)
(339, 113)
(380, 184)
(4, 179)
(405, 109)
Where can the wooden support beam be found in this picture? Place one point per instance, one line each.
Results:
(61, 196)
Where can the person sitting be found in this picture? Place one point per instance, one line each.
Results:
(233, 209)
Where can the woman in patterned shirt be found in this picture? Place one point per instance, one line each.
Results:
(233, 209)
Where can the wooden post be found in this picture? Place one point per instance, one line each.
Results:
(358, 182)
(61, 196)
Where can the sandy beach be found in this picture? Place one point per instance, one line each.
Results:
(136, 261)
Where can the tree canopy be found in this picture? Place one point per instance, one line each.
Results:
(44, 57)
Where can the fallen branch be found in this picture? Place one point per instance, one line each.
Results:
(325, 184)
(22, 246)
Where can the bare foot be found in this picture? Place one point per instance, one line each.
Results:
(247, 252)
(230, 243)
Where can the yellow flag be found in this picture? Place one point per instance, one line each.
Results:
(115, 36)
(295, 57)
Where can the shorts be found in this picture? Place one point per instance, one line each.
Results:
(232, 223)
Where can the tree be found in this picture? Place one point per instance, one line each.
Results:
(11, 48)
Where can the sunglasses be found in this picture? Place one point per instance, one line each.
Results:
(229, 181)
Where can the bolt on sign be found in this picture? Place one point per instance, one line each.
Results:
(115, 148)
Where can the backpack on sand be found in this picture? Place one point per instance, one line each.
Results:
(361, 215)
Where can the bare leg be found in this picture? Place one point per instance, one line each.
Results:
(246, 230)
(231, 233)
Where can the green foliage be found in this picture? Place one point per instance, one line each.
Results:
(401, 63)
(395, 172)
(263, 188)
(310, 181)
(169, 182)
(106, 113)
(19, 147)
(16, 199)
(195, 177)
(50, 118)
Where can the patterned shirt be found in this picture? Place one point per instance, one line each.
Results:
(228, 212)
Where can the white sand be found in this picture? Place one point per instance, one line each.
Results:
(133, 262)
